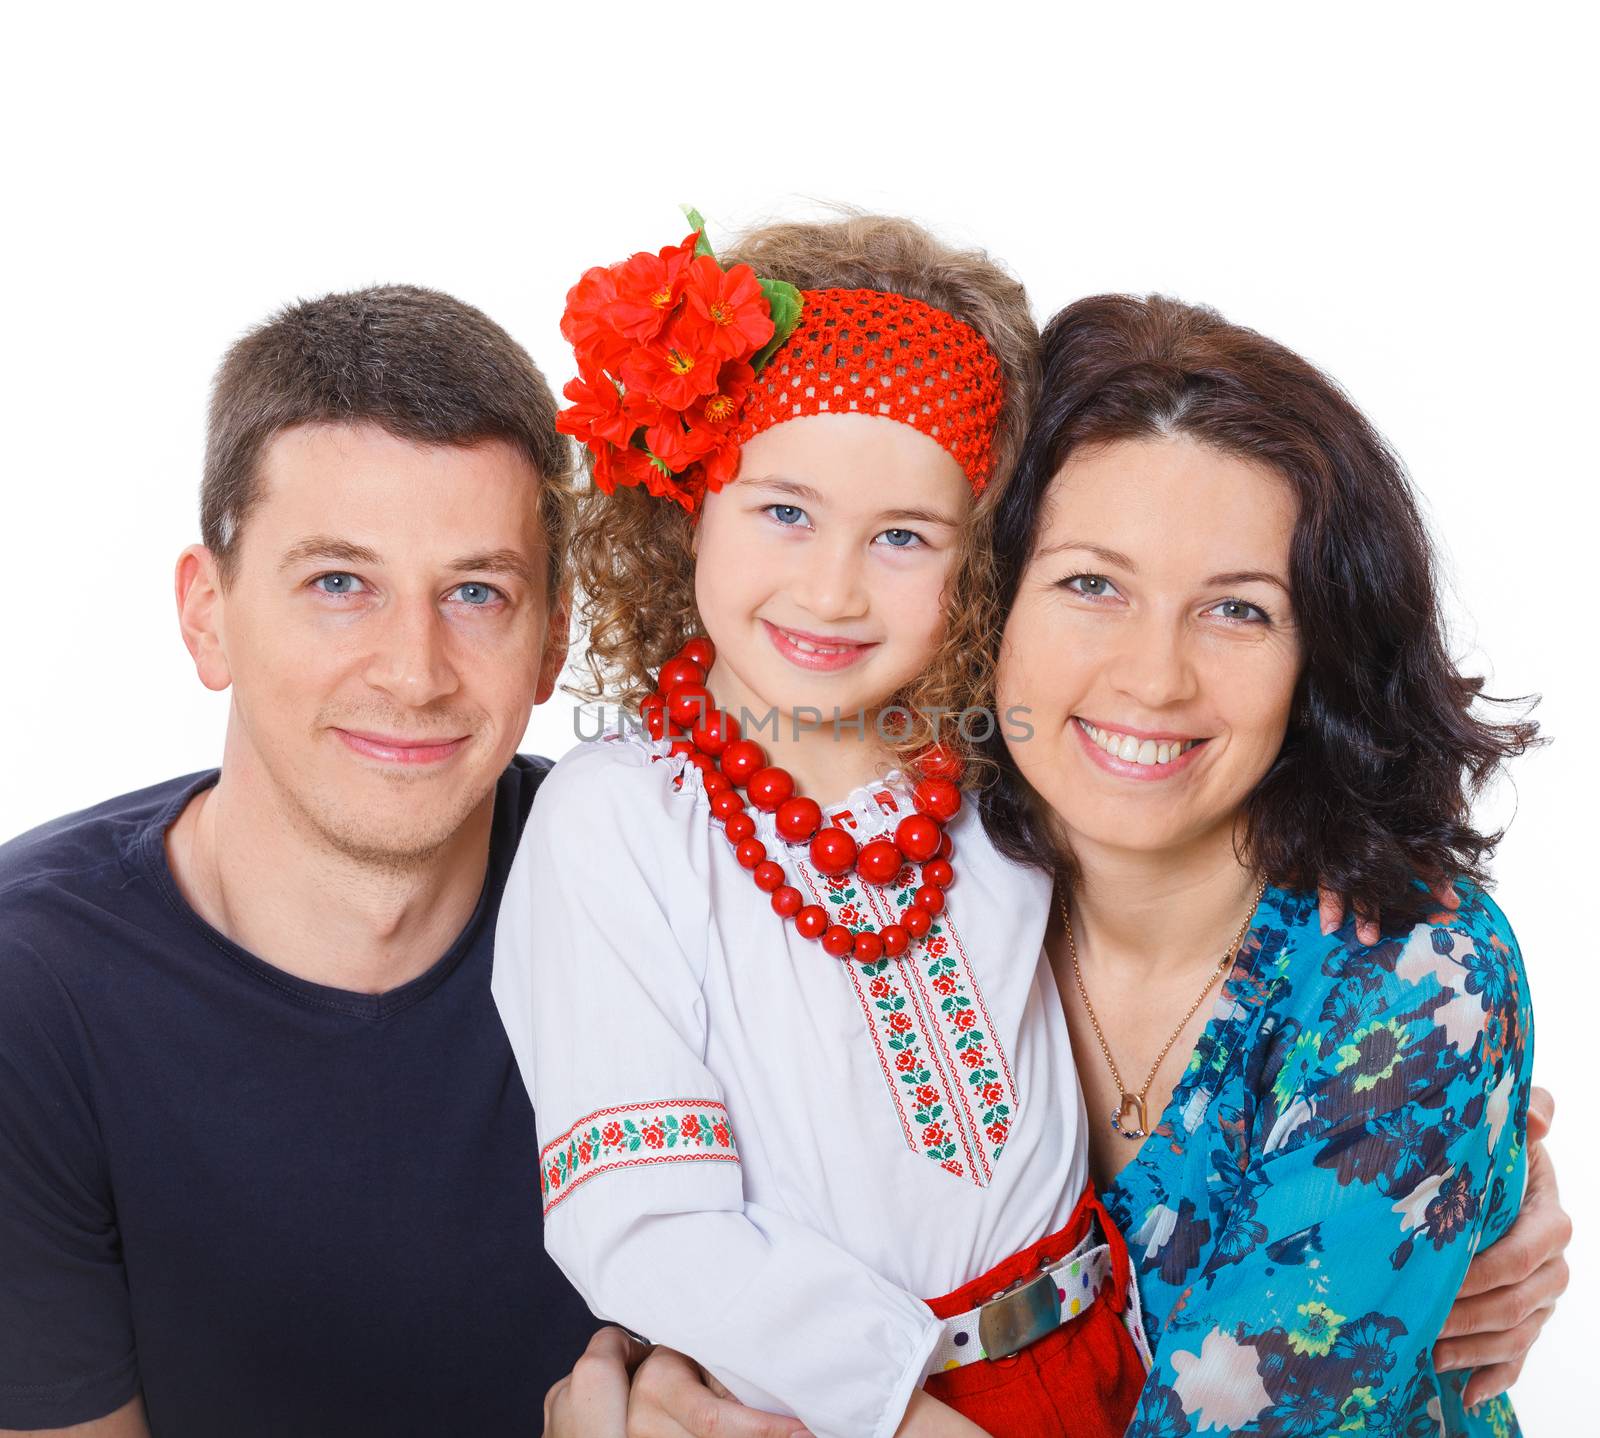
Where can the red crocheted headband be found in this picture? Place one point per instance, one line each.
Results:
(680, 362)
(868, 352)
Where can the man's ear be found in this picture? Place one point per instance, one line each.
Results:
(556, 640)
(198, 588)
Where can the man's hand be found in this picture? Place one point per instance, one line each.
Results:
(621, 1389)
(673, 1397)
(1511, 1287)
(592, 1400)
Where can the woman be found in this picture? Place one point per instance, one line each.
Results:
(1222, 618)
(1304, 1156)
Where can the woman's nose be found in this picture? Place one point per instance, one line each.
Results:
(1153, 666)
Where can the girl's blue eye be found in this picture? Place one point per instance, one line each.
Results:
(338, 584)
(476, 594)
(901, 538)
(1240, 612)
(788, 514)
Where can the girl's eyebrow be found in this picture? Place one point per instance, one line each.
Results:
(793, 487)
(784, 486)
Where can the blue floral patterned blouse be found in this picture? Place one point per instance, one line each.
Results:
(1349, 1132)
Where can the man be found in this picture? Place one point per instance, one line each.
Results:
(266, 1165)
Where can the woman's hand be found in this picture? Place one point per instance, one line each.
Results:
(1511, 1287)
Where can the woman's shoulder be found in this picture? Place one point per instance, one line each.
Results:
(1405, 1012)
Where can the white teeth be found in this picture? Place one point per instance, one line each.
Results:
(1136, 751)
(805, 646)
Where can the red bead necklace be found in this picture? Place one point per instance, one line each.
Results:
(681, 710)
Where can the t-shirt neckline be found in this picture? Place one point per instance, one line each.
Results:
(153, 855)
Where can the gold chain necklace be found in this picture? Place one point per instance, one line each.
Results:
(1130, 1118)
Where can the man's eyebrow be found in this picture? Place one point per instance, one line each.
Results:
(324, 546)
(496, 561)
(1110, 556)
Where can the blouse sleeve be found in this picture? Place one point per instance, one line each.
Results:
(1381, 1145)
(599, 960)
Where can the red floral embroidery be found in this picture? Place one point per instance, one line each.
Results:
(668, 1132)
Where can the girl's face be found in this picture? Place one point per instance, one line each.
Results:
(1154, 643)
(819, 574)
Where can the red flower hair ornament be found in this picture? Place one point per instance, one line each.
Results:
(673, 368)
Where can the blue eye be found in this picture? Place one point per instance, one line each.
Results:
(338, 584)
(901, 538)
(1238, 611)
(1091, 586)
(787, 515)
(476, 594)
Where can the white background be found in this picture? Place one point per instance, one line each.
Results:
(1399, 192)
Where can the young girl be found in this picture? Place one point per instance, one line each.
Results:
(804, 1089)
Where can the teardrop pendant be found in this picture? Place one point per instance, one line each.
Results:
(1129, 1119)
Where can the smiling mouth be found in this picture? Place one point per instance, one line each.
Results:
(817, 653)
(392, 750)
(1131, 749)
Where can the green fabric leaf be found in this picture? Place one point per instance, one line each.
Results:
(785, 304)
(702, 246)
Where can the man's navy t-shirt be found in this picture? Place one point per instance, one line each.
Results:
(273, 1207)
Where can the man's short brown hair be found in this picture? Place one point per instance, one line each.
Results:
(418, 363)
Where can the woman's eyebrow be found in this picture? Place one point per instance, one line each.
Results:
(1110, 556)
(1249, 576)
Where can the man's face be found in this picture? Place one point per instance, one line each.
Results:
(386, 631)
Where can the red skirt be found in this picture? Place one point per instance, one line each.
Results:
(1081, 1379)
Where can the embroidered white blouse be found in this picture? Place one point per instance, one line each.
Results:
(755, 1153)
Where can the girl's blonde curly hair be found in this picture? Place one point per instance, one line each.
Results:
(632, 555)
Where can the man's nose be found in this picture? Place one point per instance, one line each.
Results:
(411, 659)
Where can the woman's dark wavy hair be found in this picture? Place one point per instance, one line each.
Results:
(1385, 751)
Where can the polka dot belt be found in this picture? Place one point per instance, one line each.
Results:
(1029, 1309)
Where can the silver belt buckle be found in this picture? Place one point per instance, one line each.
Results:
(1008, 1324)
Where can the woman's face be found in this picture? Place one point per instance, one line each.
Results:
(1154, 643)
(819, 574)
